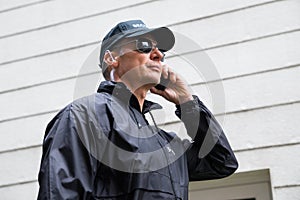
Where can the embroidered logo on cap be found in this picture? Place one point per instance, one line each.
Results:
(138, 25)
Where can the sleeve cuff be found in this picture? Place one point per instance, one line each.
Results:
(188, 106)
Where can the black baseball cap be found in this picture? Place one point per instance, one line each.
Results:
(135, 28)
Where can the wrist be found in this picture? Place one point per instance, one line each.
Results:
(185, 99)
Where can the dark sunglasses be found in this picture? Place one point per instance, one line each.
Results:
(142, 45)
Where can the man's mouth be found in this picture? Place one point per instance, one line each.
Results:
(154, 67)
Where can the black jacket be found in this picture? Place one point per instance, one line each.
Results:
(102, 147)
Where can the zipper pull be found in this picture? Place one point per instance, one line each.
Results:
(170, 150)
(139, 125)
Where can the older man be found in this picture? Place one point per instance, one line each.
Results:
(102, 146)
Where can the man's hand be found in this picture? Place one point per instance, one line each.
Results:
(177, 90)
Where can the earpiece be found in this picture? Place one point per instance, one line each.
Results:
(112, 59)
(111, 56)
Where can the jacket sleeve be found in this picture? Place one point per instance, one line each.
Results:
(67, 170)
(209, 156)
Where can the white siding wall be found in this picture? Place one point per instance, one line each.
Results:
(254, 45)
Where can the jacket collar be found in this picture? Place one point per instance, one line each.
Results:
(120, 91)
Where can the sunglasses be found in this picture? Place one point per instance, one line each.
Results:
(142, 45)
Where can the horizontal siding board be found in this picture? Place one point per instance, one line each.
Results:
(273, 126)
(24, 132)
(55, 11)
(262, 90)
(47, 40)
(287, 193)
(240, 59)
(60, 37)
(256, 56)
(20, 166)
(279, 160)
(37, 99)
(264, 127)
(12, 4)
(47, 68)
(244, 24)
(46, 98)
(20, 191)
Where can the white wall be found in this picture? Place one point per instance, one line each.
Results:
(254, 45)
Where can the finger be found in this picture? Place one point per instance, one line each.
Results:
(165, 71)
(172, 76)
(156, 91)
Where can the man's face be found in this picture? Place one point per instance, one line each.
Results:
(139, 68)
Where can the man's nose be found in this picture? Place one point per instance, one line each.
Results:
(156, 54)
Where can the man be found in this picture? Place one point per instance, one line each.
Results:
(102, 146)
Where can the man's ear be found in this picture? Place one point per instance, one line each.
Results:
(109, 59)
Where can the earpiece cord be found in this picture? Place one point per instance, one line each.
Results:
(111, 75)
(162, 146)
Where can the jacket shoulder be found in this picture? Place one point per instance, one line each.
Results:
(90, 102)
